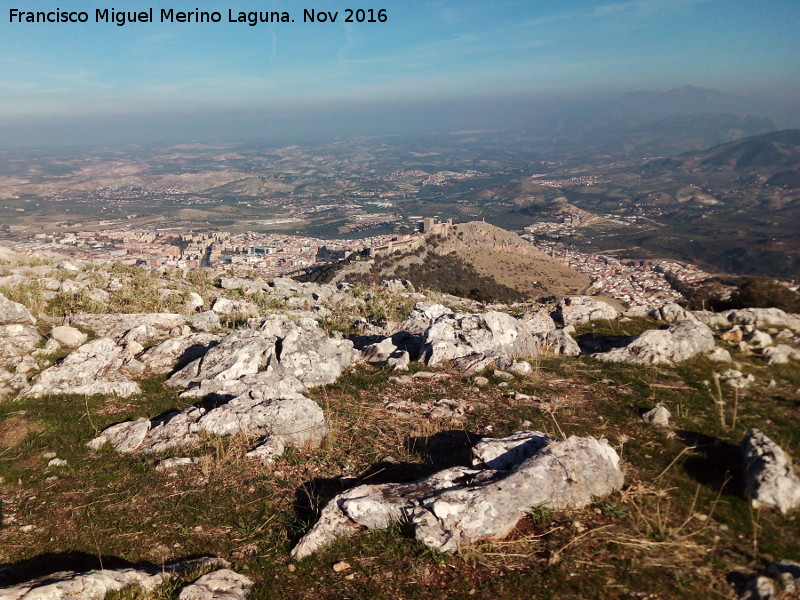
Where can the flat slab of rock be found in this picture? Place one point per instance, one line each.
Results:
(154, 326)
(769, 477)
(94, 368)
(462, 504)
(678, 342)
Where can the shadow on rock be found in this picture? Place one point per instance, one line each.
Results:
(53, 562)
(591, 343)
(714, 462)
(444, 449)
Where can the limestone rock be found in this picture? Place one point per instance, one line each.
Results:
(397, 285)
(758, 339)
(195, 301)
(97, 584)
(720, 355)
(462, 504)
(68, 337)
(736, 379)
(163, 358)
(671, 313)
(574, 310)
(764, 318)
(149, 327)
(292, 418)
(658, 416)
(444, 409)
(770, 479)
(780, 354)
(16, 340)
(267, 450)
(275, 410)
(94, 368)
(14, 313)
(223, 584)
(476, 341)
(679, 342)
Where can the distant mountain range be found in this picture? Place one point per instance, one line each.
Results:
(775, 154)
(646, 123)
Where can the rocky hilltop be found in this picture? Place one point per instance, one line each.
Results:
(151, 418)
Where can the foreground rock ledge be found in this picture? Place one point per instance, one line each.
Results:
(97, 584)
(510, 476)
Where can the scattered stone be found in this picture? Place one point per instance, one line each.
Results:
(733, 335)
(397, 285)
(68, 337)
(736, 379)
(341, 566)
(169, 464)
(780, 354)
(769, 476)
(481, 381)
(443, 409)
(474, 342)
(679, 342)
(267, 450)
(195, 301)
(461, 505)
(719, 355)
(521, 368)
(659, 416)
(57, 462)
(502, 375)
(164, 357)
(14, 313)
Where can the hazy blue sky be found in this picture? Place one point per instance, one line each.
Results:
(427, 51)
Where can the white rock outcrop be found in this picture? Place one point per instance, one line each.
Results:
(678, 342)
(463, 504)
(574, 310)
(97, 584)
(97, 367)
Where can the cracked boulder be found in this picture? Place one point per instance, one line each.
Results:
(678, 342)
(458, 506)
(97, 367)
(474, 342)
(268, 410)
(279, 349)
(144, 327)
